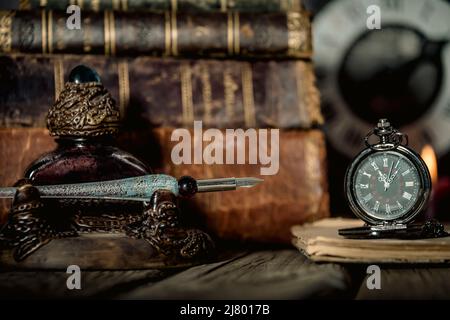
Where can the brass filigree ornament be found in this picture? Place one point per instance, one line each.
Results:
(83, 109)
(29, 225)
(160, 227)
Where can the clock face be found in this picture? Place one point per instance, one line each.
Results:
(386, 185)
(400, 72)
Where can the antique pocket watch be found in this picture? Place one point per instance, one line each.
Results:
(387, 185)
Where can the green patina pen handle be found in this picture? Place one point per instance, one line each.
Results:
(136, 188)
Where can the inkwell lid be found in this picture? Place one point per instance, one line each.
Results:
(84, 107)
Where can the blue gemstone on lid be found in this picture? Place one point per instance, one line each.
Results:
(83, 74)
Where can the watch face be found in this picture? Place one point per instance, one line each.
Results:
(386, 185)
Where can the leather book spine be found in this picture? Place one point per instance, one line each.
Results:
(163, 5)
(170, 33)
(223, 94)
(298, 193)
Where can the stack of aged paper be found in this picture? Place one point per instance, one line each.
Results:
(320, 241)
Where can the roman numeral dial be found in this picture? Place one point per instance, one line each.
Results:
(386, 185)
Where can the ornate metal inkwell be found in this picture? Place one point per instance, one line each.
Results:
(91, 204)
(387, 186)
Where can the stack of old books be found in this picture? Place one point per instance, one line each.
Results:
(229, 63)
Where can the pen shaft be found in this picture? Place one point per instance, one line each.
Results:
(135, 188)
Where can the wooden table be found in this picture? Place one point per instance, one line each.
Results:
(275, 273)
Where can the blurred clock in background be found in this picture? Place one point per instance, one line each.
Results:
(400, 72)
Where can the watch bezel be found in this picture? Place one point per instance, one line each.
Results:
(422, 199)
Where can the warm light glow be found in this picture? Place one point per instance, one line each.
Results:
(429, 157)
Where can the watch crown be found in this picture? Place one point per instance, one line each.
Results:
(383, 129)
(383, 124)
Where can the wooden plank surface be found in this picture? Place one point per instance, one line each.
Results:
(269, 274)
(52, 284)
(278, 274)
(409, 283)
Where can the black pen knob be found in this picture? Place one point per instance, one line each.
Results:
(187, 187)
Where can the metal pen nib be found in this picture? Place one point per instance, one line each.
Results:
(224, 184)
